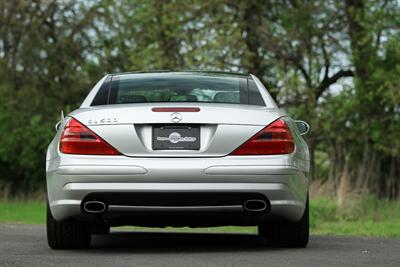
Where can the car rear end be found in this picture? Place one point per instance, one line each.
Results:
(177, 149)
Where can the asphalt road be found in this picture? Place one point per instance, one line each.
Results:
(23, 245)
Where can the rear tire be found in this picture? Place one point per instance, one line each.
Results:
(287, 234)
(68, 234)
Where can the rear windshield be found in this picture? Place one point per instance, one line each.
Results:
(172, 87)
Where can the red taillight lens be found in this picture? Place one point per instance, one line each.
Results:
(77, 139)
(274, 139)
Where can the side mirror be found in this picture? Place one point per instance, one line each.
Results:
(303, 127)
(57, 126)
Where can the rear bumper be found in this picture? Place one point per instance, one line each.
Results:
(283, 184)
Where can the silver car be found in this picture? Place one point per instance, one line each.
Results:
(195, 149)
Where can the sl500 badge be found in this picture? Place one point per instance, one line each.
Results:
(103, 121)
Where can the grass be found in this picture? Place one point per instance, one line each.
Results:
(22, 212)
(366, 216)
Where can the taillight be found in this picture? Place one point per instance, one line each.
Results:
(274, 139)
(78, 139)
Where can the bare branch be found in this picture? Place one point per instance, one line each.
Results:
(328, 81)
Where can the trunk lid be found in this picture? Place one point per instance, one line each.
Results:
(222, 127)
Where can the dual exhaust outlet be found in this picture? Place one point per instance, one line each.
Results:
(94, 206)
(255, 205)
(251, 205)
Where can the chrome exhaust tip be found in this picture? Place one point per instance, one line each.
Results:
(94, 206)
(255, 205)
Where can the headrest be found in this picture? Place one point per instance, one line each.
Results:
(182, 98)
(131, 99)
(227, 97)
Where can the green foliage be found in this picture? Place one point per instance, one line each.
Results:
(22, 150)
(335, 64)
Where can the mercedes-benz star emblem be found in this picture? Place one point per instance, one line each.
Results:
(176, 117)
